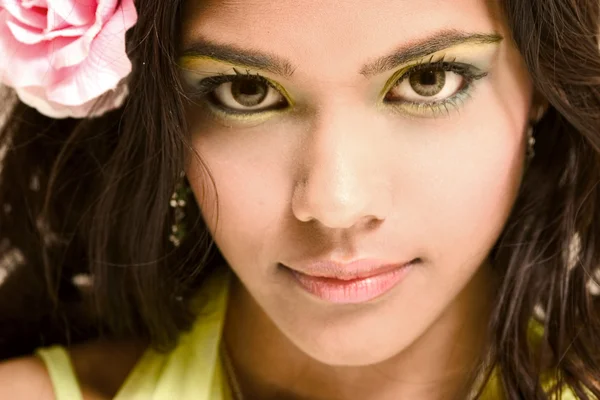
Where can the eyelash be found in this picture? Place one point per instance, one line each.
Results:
(205, 88)
(468, 72)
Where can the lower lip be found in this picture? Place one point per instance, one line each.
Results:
(351, 291)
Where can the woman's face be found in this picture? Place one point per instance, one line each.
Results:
(338, 140)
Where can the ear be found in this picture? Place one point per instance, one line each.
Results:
(539, 106)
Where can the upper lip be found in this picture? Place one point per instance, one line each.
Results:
(362, 268)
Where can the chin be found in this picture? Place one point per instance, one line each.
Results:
(349, 340)
(351, 353)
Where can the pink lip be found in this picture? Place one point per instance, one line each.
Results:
(352, 283)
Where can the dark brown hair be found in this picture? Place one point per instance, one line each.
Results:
(91, 197)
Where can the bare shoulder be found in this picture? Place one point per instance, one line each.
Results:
(101, 369)
(25, 378)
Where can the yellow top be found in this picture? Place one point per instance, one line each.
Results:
(193, 370)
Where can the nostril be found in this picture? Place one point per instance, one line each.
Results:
(374, 223)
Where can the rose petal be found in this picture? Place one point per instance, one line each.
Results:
(23, 33)
(55, 22)
(76, 52)
(34, 17)
(106, 9)
(34, 97)
(69, 52)
(21, 64)
(69, 32)
(105, 66)
(28, 35)
(34, 3)
(75, 12)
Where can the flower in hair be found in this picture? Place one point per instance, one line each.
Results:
(66, 58)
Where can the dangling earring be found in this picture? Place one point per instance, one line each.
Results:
(530, 143)
(178, 202)
(539, 113)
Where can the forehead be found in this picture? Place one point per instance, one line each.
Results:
(333, 28)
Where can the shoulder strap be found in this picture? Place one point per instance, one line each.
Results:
(62, 374)
(191, 370)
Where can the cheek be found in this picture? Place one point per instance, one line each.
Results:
(470, 183)
(469, 198)
(250, 196)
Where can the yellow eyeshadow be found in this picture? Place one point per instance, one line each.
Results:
(191, 62)
(283, 92)
(419, 111)
(195, 64)
(244, 118)
(469, 53)
(393, 79)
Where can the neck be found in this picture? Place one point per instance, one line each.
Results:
(435, 366)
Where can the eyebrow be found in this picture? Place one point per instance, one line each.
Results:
(424, 47)
(236, 55)
(232, 54)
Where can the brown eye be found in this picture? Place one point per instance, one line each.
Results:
(427, 82)
(248, 94)
(426, 86)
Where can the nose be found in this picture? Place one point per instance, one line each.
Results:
(343, 179)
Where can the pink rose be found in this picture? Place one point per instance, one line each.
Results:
(62, 55)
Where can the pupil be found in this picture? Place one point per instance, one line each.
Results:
(249, 92)
(428, 78)
(249, 88)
